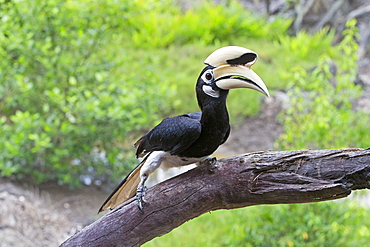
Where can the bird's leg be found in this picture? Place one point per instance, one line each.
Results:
(211, 163)
(140, 192)
(153, 161)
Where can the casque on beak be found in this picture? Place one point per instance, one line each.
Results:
(233, 69)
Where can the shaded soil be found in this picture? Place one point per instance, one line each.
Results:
(260, 132)
(44, 215)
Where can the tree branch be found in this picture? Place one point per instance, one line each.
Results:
(328, 16)
(271, 177)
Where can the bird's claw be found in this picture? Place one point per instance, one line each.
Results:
(140, 196)
(212, 164)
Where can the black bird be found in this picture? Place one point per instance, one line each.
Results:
(192, 137)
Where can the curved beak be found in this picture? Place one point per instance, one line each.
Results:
(239, 76)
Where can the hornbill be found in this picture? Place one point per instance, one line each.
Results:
(192, 137)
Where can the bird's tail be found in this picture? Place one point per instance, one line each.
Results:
(125, 190)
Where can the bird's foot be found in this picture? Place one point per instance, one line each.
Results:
(140, 196)
(212, 164)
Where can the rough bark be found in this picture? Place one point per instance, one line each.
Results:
(271, 177)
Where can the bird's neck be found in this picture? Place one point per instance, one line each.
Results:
(215, 127)
(214, 112)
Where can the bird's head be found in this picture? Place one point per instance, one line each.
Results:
(228, 68)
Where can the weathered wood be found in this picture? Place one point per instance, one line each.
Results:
(252, 179)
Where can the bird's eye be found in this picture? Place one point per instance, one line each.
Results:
(208, 76)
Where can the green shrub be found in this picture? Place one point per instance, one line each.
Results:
(313, 224)
(77, 77)
(161, 24)
(67, 104)
(320, 113)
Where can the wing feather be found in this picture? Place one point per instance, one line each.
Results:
(125, 190)
(173, 134)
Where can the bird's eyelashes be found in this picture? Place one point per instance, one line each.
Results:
(207, 76)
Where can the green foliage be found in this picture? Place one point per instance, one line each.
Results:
(67, 105)
(302, 50)
(314, 224)
(77, 77)
(321, 102)
(181, 40)
(161, 24)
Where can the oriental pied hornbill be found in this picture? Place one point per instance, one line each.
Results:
(192, 137)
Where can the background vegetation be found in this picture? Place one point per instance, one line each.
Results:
(319, 224)
(81, 80)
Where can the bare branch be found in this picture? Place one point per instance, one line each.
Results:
(329, 15)
(362, 10)
(252, 179)
(302, 9)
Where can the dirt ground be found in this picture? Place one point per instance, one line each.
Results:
(44, 215)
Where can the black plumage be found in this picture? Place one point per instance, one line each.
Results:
(244, 59)
(192, 137)
(193, 134)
